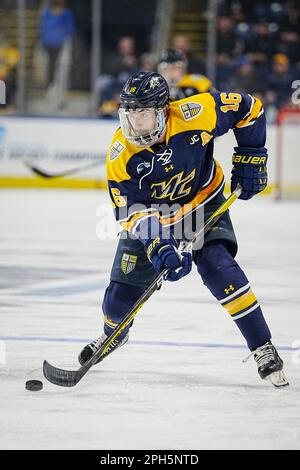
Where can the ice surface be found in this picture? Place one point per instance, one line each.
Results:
(180, 383)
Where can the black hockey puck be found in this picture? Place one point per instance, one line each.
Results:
(34, 385)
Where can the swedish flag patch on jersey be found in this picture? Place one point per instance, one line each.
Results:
(116, 149)
(128, 263)
(190, 110)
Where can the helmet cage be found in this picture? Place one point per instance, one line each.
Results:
(142, 138)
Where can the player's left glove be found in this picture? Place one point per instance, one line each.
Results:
(164, 254)
(249, 169)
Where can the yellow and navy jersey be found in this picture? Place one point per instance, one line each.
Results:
(183, 170)
(190, 85)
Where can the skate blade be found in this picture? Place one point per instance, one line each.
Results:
(278, 379)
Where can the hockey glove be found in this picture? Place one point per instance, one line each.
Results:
(164, 254)
(249, 169)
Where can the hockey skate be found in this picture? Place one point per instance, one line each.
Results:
(270, 364)
(90, 349)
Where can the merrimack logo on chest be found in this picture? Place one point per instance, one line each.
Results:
(175, 188)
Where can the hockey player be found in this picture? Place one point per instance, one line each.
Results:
(163, 153)
(172, 65)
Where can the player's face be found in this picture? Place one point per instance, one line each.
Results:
(143, 121)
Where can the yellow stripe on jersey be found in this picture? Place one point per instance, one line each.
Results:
(119, 153)
(256, 110)
(242, 302)
(200, 198)
(200, 82)
(132, 221)
(192, 114)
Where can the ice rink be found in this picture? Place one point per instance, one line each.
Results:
(180, 382)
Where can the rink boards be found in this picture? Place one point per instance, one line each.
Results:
(56, 145)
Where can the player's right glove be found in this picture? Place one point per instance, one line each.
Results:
(164, 253)
(249, 170)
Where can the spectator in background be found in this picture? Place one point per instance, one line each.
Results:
(237, 13)
(279, 82)
(125, 63)
(289, 45)
(56, 27)
(227, 42)
(260, 47)
(119, 67)
(182, 43)
(9, 58)
(245, 78)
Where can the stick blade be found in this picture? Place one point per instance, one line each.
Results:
(61, 377)
(40, 172)
(37, 171)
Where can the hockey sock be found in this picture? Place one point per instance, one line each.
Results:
(228, 283)
(118, 300)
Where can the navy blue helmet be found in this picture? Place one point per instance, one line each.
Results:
(142, 110)
(145, 90)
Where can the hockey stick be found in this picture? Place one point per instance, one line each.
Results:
(70, 378)
(45, 174)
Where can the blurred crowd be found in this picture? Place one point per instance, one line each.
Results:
(258, 51)
(258, 47)
(55, 28)
(125, 62)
